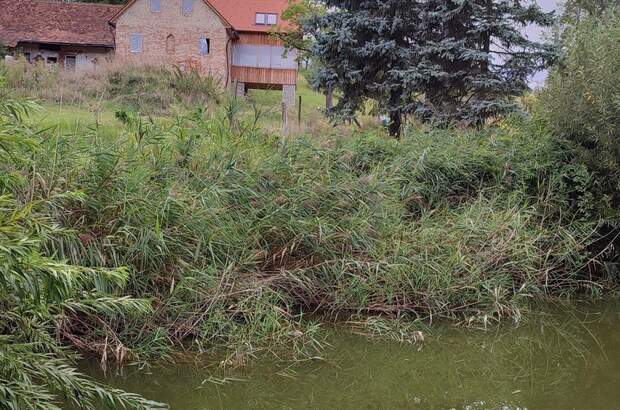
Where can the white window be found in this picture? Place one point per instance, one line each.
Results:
(283, 59)
(205, 44)
(249, 55)
(187, 6)
(136, 43)
(266, 19)
(155, 6)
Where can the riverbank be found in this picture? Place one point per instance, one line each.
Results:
(562, 356)
(234, 235)
(203, 233)
(147, 215)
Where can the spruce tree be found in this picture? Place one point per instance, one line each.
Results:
(446, 60)
(365, 51)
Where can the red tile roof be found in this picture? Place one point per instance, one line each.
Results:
(42, 21)
(56, 23)
(241, 14)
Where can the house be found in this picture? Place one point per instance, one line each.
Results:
(74, 35)
(229, 39)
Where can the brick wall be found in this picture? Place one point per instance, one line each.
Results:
(186, 29)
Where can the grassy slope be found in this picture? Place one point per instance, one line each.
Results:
(98, 102)
(232, 234)
(233, 231)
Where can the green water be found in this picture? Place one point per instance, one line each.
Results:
(564, 358)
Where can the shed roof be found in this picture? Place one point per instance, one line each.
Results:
(36, 21)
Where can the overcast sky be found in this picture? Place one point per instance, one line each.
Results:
(534, 33)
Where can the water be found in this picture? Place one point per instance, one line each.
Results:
(566, 358)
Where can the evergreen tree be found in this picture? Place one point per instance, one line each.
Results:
(365, 51)
(447, 60)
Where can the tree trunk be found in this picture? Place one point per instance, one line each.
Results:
(395, 124)
(329, 98)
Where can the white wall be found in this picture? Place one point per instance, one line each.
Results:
(86, 58)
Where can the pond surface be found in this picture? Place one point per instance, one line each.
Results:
(562, 358)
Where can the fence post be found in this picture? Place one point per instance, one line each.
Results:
(284, 119)
(299, 113)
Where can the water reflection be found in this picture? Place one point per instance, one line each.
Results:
(562, 358)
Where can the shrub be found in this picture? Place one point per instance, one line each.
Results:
(581, 101)
(44, 300)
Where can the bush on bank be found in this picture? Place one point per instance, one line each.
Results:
(234, 234)
(581, 101)
(40, 295)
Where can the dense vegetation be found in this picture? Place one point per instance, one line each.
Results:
(151, 230)
(41, 296)
(235, 235)
(442, 60)
(582, 99)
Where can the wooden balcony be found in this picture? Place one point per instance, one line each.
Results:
(264, 77)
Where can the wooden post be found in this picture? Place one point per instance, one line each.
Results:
(284, 119)
(299, 113)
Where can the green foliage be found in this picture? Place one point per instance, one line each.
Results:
(41, 296)
(294, 36)
(237, 234)
(148, 89)
(581, 101)
(578, 10)
(443, 60)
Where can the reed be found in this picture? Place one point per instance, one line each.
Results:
(235, 239)
(235, 232)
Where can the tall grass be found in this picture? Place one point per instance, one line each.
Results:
(44, 300)
(238, 235)
(149, 89)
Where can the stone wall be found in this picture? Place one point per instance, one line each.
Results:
(183, 48)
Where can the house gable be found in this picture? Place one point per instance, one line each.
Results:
(131, 4)
(199, 38)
